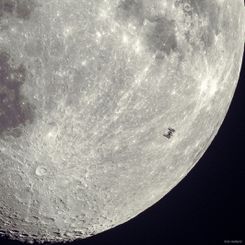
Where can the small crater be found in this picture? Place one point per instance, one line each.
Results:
(35, 218)
(41, 171)
(208, 14)
(47, 220)
(24, 235)
(57, 234)
(185, 5)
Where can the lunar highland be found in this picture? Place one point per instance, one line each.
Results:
(105, 106)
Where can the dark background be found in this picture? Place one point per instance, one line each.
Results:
(206, 207)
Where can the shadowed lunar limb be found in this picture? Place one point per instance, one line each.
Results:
(127, 95)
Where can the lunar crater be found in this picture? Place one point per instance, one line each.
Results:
(107, 80)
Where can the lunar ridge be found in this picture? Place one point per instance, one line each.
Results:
(105, 106)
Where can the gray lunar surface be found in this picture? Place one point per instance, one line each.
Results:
(106, 105)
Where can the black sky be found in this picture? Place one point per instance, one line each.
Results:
(206, 207)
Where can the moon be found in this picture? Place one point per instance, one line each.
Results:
(105, 106)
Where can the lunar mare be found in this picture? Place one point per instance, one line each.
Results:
(106, 106)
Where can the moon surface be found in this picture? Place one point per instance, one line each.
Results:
(106, 105)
